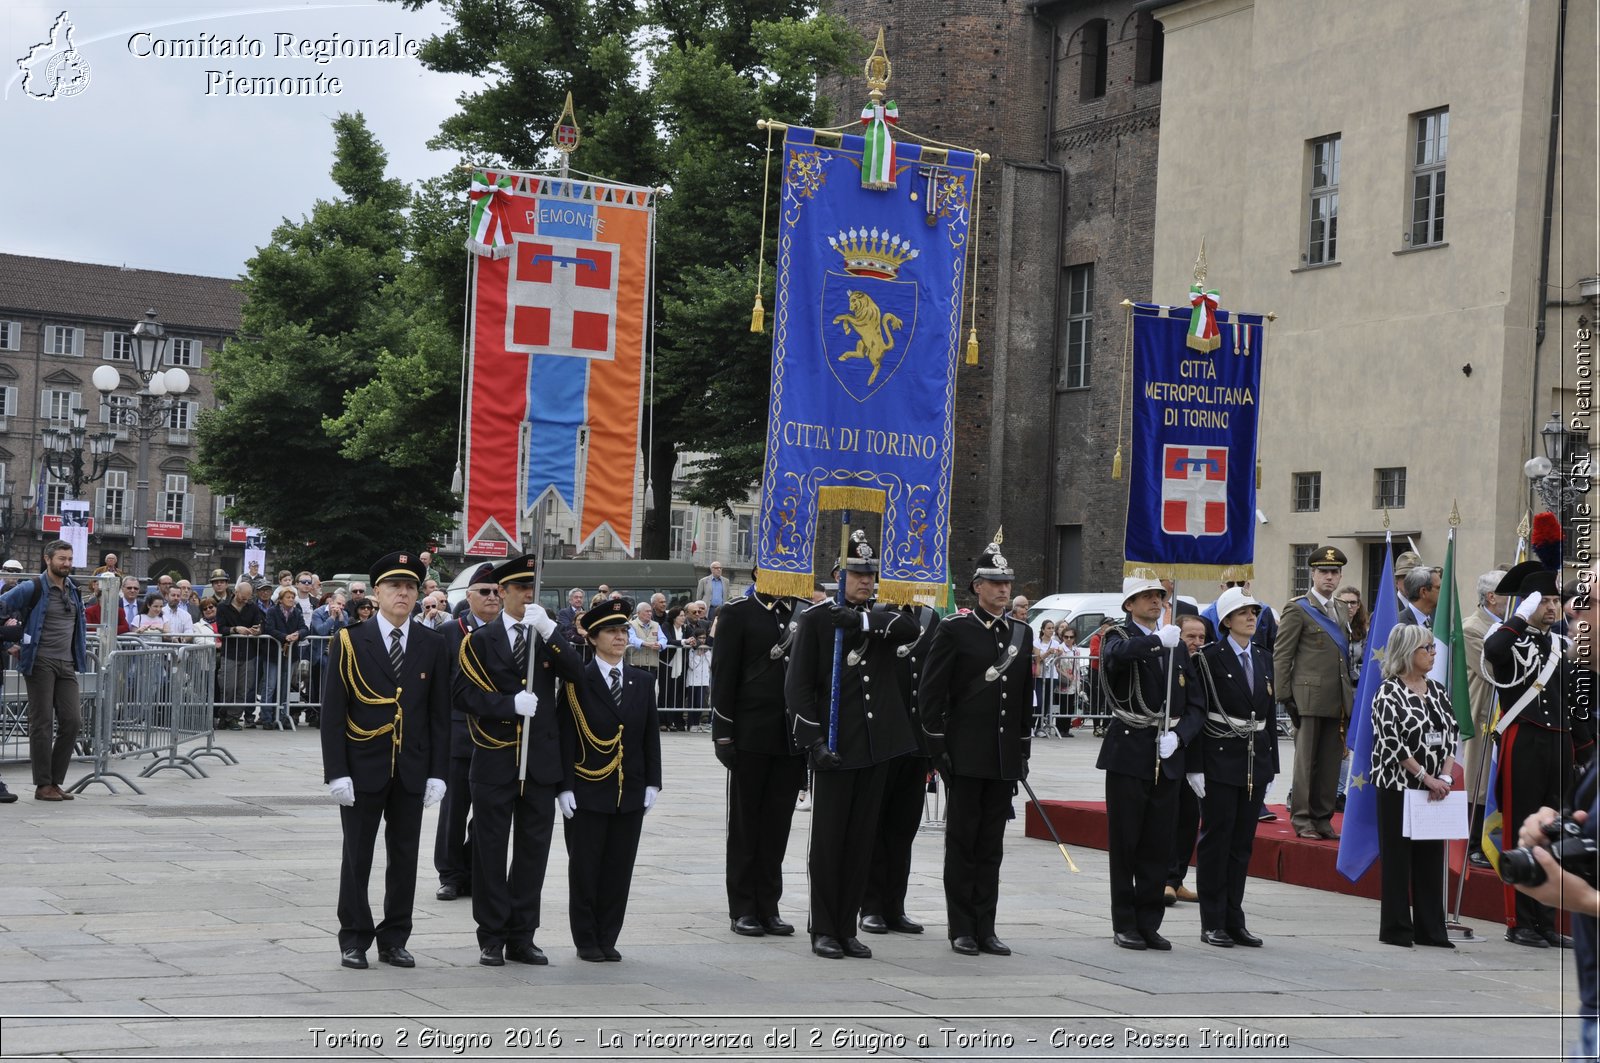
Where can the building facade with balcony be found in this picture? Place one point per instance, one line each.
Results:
(58, 322)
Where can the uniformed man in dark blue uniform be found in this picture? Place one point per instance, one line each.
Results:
(1156, 707)
(452, 845)
(873, 730)
(976, 697)
(751, 738)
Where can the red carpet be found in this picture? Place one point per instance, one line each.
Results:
(1278, 855)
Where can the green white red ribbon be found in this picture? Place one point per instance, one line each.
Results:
(1203, 332)
(877, 152)
(490, 193)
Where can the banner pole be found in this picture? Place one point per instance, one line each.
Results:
(838, 637)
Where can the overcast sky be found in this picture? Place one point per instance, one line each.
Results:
(143, 168)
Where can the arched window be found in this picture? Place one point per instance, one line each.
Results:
(1092, 60)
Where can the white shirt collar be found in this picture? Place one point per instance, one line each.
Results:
(384, 627)
(511, 625)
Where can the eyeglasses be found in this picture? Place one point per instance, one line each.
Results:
(304, 582)
(1351, 602)
(486, 592)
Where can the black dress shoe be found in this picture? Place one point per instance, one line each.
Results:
(1241, 936)
(1126, 941)
(994, 946)
(447, 892)
(1445, 944)
(492, 956)
(1329, 833)
(854, 949)
(903, 925)
(530, 954)
(749, 926)
(775, 925)
(1401, 943)
(1477, 859)
(966, 944)
(1528, 936)
(611, 954)
(874, 924)
(1557, 940)
(1219, 938)
(353, 958)
(827, 947)
(396, 957)
(1156, 941)
(591, 953)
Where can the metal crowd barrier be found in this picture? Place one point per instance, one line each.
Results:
(150, 701)
(257, 674)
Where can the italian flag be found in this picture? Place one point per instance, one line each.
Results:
(1450, 660)
(877, 150)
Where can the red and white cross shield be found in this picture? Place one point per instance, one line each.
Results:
(1194, 490)
(561, 298)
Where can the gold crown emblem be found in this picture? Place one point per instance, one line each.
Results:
(870, 253)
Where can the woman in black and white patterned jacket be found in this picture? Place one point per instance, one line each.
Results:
(1413, 748)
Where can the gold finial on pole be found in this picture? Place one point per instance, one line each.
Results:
(1525, 526)
(1455, 515)
(566, 134)
(1200, 263)
(878, 70)
(1000, 535)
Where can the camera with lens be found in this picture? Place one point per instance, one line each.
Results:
(1573, 851)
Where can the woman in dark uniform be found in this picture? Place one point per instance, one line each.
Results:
(1230, 766)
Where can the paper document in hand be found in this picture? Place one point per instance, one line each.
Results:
(1435, 820)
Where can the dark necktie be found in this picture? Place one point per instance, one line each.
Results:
(1249, 672)
(396, 653)
(616, 686)
(519, 651)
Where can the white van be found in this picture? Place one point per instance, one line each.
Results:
(1080, 612)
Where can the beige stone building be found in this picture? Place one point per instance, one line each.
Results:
(1379, 176)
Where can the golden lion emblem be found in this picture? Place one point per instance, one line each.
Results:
(873, 330)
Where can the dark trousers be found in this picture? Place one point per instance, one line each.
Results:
(55, 716)
(1141, 815)
(844, 821)
(975, 817)
(401, 815)
(1535, 771)
(506, 908)
(1226, 841)
(452, 842)
(1411, 879)
(601, 847)
(761, 796)
(905, 786)
(1184, 835)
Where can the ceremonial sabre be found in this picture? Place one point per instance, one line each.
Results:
(1051, 827)
(527, 680)
(1166, 705)
(838, 638)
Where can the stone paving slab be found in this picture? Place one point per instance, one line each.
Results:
(112, 922)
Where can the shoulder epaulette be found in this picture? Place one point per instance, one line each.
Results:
(736, 601)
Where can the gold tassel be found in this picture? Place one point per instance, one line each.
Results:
(758, 316)
(972, 347)
(1258, 475)
(1116, 463)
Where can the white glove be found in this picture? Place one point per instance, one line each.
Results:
(343, 791)
(1197, 783)
(527, 703)
(567, 802)
(1530, 605)
(650, 797)
(1166, 745)
(534, 614)
(1169, 636)
(432, 793)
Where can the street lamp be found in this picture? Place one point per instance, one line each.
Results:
(11, 521)
(65, 454)
(1561, 474)
(152, 413)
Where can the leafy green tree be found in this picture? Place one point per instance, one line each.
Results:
(330, 303)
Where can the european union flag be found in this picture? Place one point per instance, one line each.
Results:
(1358, 838)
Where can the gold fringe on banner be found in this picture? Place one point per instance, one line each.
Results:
(836, 497)
(787, 584)
(1116, 463)
(1186, 572)
(898, 592)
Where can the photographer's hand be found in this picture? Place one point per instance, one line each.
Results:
(1532, 833)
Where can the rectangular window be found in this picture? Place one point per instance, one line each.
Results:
(57, 405)
(118, 412)
(1307, 492)
(118, 347)
(1092, 56)
(223, 503)
(679, 545)
(1299, 572)
(1431, 144)
(746, 549)
(180, 421)
(10, 335)
(62, 339)
(1322, 230)
(712, 547)
(114, 499)
(175, 500)
(1080, 327)
(55, 492)
(8, 405)
(1389, 488)
(183, 352)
